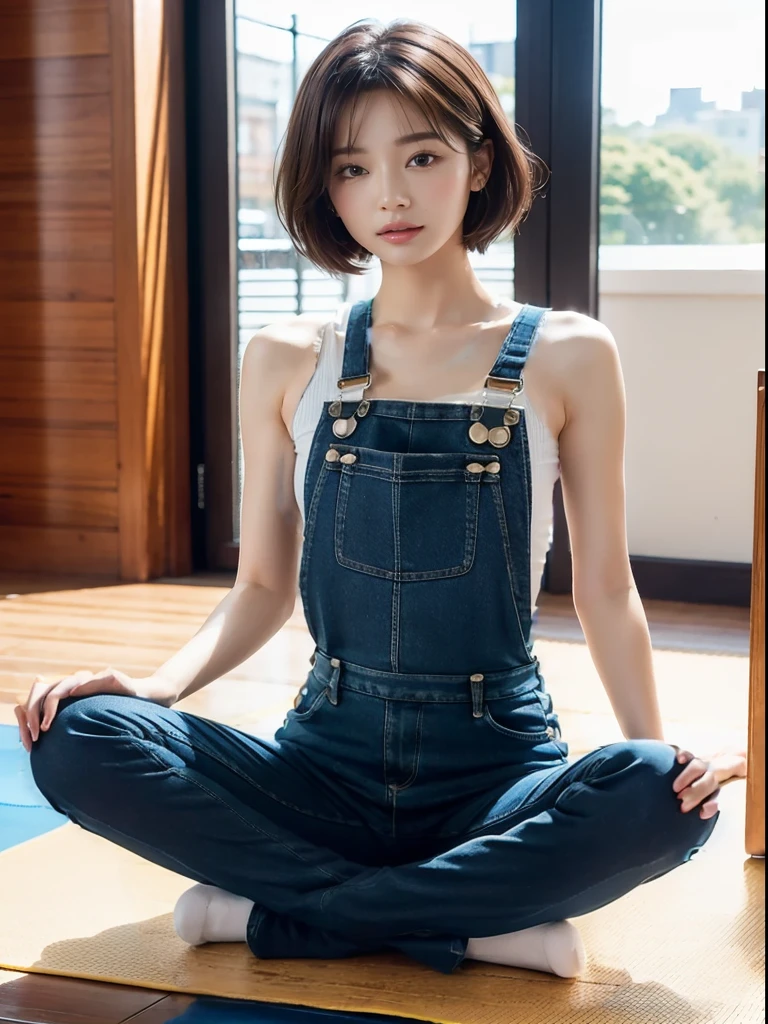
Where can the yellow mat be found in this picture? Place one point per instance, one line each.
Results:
(685, 949)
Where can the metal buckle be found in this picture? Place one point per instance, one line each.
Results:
(354, 382)
(512, 384)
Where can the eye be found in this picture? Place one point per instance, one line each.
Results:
(431, 156)
(349, 167)
(341, 172)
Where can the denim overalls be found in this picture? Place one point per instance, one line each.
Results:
(419, 792)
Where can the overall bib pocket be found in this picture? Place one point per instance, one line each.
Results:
(406, 516)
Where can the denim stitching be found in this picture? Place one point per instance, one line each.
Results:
(528, 485)
(394, 642)
(261, 831)
(526, 806)
(185, 867)
(387, 726)
(534, 737)
(303, 716)
(309, 535)
(381, 473)
(417, 759)
(255, 929)
(396, 595)
(202, 748)
(471, 515)
(438, 677)
(180, 773)
(501, 517)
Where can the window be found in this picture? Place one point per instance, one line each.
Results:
(683, 132)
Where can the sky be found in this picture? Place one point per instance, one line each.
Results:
(649, 46)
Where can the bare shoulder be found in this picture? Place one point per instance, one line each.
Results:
(570, 341)
(561, 366)
(280, 358)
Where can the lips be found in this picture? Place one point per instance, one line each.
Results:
(391, 229)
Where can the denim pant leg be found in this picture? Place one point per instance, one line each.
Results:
(206, 801)
(606, 823)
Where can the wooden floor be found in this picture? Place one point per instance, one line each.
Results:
(55, 627)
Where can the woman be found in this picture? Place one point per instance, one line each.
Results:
(418, 796)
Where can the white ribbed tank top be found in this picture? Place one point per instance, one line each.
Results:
(543, 447)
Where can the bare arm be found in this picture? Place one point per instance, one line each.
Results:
(592, 469)
(263, 595)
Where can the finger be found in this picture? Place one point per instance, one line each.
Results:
(683, 756)
(24, 734)
(704, 789)
(49, 701)
(692, 771)
(34, 704)
(93, 682)
(708, 810)
(88, 683)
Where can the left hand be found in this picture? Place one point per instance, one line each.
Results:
(698, 784)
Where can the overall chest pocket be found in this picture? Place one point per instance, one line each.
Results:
(408, 516)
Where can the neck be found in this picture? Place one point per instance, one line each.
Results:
(442, 291)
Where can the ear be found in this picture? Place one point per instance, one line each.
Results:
(482, 161)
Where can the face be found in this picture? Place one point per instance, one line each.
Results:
(387, 178)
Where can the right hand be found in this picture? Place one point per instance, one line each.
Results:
(45, 696)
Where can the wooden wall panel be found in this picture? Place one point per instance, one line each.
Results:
(62, 30)
(81, 507)
(56, 280)
(62, 456)
(80, 378)
(55, 76)
(51, 551)
(93, 414)
(50, 327)
(83, 235)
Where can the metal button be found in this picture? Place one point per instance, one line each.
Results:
(474, 467)
(335, 662)
(348, 459)
(478, 677)
(493, 467)
(478, 433)
(511, 417)
(343, 428)
(499, 436)
(332, 455)
(550, 731)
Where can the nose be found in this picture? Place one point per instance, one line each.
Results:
(395, 203)
(393, 196)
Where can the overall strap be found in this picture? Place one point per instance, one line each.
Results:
(507, 372)
(355, 376)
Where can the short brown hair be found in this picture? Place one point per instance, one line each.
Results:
(446, 83)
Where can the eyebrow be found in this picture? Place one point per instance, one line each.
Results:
(404, 140)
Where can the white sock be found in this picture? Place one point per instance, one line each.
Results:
(207, 914)
(555, 947)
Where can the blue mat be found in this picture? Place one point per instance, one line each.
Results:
(25, 813)
(225, 1011)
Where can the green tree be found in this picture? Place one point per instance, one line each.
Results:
(677, 188)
